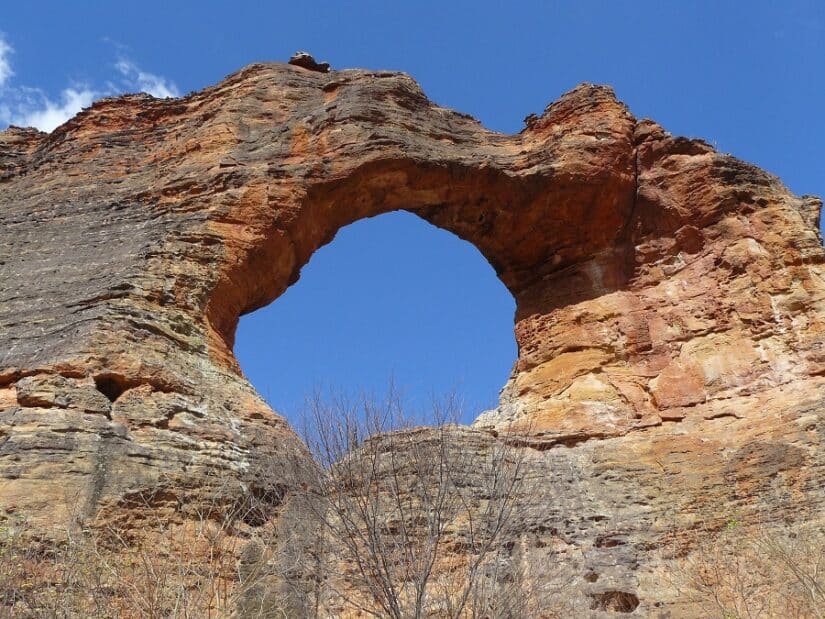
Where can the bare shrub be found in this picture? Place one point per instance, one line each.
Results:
(157, 564)
(381, 517)
(45, 578)
(416, 521)
(758, 571)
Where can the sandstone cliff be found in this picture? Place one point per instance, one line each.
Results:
(670, 303)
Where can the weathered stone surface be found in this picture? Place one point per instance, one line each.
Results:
(670, 302)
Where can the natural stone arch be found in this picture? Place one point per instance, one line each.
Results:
(525, 227)
(481, 208)
(658, 284)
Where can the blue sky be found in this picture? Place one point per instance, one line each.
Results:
(394, 296)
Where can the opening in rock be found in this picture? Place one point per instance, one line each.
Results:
(614, 601)
(110, 385)
(392, 297)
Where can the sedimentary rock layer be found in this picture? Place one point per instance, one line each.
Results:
(670, 301)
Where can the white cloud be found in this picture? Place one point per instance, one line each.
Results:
(149, 83)
(48, 115)
(31, 107)
(5, 64)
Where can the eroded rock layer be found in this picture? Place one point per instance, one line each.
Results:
(670, 302)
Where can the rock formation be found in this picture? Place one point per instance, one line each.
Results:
(670, 302)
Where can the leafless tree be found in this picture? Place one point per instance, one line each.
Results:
(756, 571)
(420, 519)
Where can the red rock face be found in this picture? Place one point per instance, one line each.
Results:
(670, 299)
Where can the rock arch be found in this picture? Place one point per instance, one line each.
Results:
(658, 284)
(495, 197)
